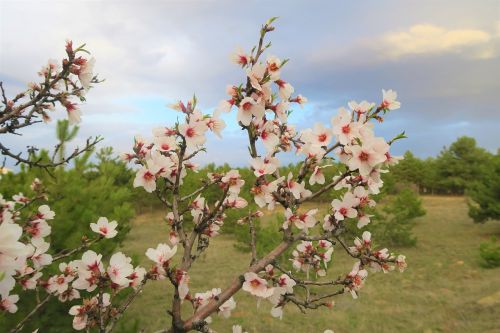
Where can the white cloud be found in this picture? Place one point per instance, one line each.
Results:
(417, 41)
(431, 39)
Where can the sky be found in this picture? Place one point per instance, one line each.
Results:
(442, 57)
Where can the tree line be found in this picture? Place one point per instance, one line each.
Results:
(452, 171)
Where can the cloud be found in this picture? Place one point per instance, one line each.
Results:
(432, 39)
(419, 41)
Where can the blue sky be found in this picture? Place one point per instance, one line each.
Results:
(443, 58)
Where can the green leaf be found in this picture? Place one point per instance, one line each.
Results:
(271, 20)
(400, 136)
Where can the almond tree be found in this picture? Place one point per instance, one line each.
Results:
(263, 102)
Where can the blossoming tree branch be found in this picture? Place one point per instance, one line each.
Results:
(263, 102)
(63, 83)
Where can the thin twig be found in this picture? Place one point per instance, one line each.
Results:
(20, 325)
(253, 240)
(125, 306)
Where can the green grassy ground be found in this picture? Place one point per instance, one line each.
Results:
(444, 289)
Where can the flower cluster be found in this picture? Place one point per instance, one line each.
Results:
(161, 257)
(24, 254)
(302, 221)
(275, 292)
(87, 314)
(202, 299)
(377, 260)
(72, 76)
(23, 247)
(308, 256)
(165, 156)
(90, 274)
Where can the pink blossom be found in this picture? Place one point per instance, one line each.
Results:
(269, 137)
(8, 303)
(68, 295)
(362, 194)
(215, 124)
(366, 240)
(39, 257)
(146, 177)
(163, 131)
(136, 277)
(329, 223)
(226, 308)
(363, 219)
(317, 177)
(256, 285)
(90, 268)
(74, 113)
(225, 106)
(193, 132)
(401, 262)
(70, 268)
(179, 107)
(285, 89)
(239, 57)
(301, 100)
(183, 282)
(303, 221)
(105, 228)
(165, 143)
(284, 281)
(38, 228)
(85, 74)
(382, 255)
(281, 110)
(233, 201)
(392, 160)
(263, 193)
(262, 168)
(312, 151)
(344, 128)
(233, 179)
(9, 241)
(80, 317)
(31, 282)
(345, 208)
(119, 269)
(197, 207)
(248, 108)
(273, 67)
(320, 135)
(356, 279)
(256, 74)
(161, 164)
(374, 180)
(162, 254)
(45, 213)
(173, 237)
(360, 108)
(389, 100)
(58, 284)
(298, 190)
(284, 286)
(367, 156)
(307, 256)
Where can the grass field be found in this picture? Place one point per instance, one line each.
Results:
(443, 290)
